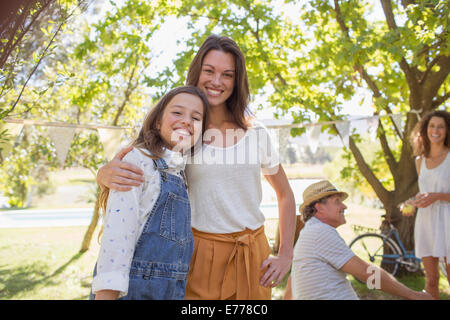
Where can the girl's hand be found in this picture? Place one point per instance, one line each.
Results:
(277, 267)
(119, 175)
(423, 200)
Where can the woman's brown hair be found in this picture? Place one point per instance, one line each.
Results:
(419, 137)
(238, 102)
(149, 137)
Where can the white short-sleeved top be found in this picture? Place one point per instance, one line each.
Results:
(318, 255)
(225, 183)
(126, 214)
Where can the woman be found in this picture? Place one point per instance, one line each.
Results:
(231, 253)
(431, 143)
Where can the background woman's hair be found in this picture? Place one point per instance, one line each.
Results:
(149, 137)
(419, 137)
(238, 102)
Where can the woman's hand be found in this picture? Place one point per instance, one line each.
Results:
(423, 200)
(119, 175)
(277, 267)
(408, 208)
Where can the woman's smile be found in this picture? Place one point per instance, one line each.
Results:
(217, 76)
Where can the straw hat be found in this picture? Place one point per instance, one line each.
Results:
(319, 190)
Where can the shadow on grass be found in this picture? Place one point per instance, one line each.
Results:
(414, 282)
(26, 278)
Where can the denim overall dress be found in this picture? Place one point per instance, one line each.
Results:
(163, 252)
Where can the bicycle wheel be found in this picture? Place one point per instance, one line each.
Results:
(378, 250)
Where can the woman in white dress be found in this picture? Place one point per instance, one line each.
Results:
(431, 143)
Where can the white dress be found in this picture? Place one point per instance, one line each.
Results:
(432, 227)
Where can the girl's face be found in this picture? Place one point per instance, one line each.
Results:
(217, 77)
(436, 130)
(181, 122)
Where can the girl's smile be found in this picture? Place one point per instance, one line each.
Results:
(181, 122)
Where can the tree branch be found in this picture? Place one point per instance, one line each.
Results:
(258, 40)
(35, 67)
(440, 100)
(390, 20)
(64, 19)
(128, 92)
(389, 14)
(364, 168)
(11, 44)
(367, 173)
(435, 79)
(372, 85)
(337, 9)
(388, 155)
(427, 72)
(406, 3)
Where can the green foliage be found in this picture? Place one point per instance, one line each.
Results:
(97, 79)
(29, 40)
(24, 167)
(86, 151)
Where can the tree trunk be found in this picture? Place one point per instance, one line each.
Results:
(406, 186)
(94, 221)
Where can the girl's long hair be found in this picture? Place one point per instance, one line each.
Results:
(149, 137)
(419, 137)
(238, 102)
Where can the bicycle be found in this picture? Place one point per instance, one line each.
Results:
(386, 250)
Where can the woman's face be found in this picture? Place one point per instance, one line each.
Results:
(217, 77)
(436, 130)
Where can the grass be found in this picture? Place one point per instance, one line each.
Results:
(414, 282)
(44, 263)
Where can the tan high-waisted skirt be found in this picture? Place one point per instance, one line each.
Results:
(228, 266)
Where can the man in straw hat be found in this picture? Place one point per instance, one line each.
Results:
(322, 260)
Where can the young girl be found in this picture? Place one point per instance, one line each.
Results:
(147, 240)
